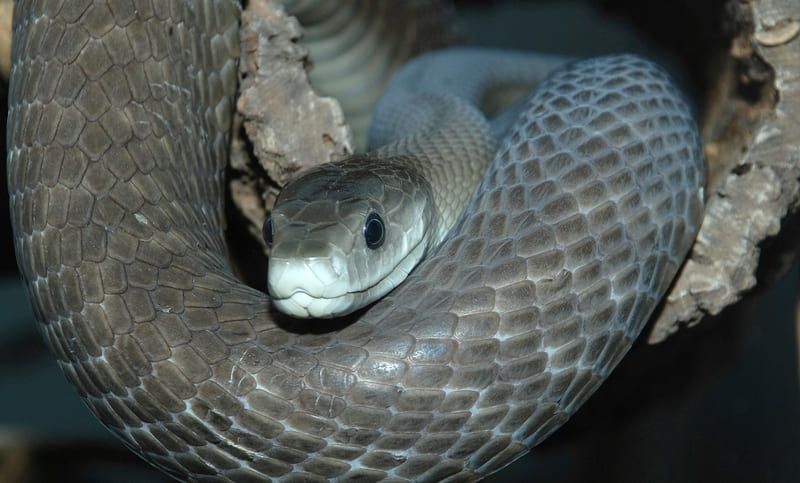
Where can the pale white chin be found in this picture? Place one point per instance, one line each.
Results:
(311, 288)
(304, 306)
(324, 278)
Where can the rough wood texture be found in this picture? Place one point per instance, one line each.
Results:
(755, 166)
(6, 14)
(275, 100)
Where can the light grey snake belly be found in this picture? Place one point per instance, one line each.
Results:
(118, 128)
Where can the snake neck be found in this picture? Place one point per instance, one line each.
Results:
(445, 139)
(434, 115)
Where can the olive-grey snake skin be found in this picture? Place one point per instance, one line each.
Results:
(118, 120)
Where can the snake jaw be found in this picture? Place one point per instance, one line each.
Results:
(302, 305)
(309, 287)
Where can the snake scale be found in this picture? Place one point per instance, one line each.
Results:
(119, 114)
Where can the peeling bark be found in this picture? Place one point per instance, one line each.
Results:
(6, 15)
(280, 119)
(751, 132)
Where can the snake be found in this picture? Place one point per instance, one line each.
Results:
(119, 120)
(346, 233)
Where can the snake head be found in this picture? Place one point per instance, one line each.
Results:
(344, 234)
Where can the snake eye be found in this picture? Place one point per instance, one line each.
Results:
(266, 231)
(374, 231)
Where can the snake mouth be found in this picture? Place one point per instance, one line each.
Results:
(311, 288)
(321, 287)
(302, 305)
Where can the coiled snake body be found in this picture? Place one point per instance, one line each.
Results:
(118, 128)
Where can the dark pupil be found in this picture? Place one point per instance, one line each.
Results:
(374, 231)
(267, 231)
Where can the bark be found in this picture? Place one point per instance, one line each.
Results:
(751, 130)
(6, 15)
